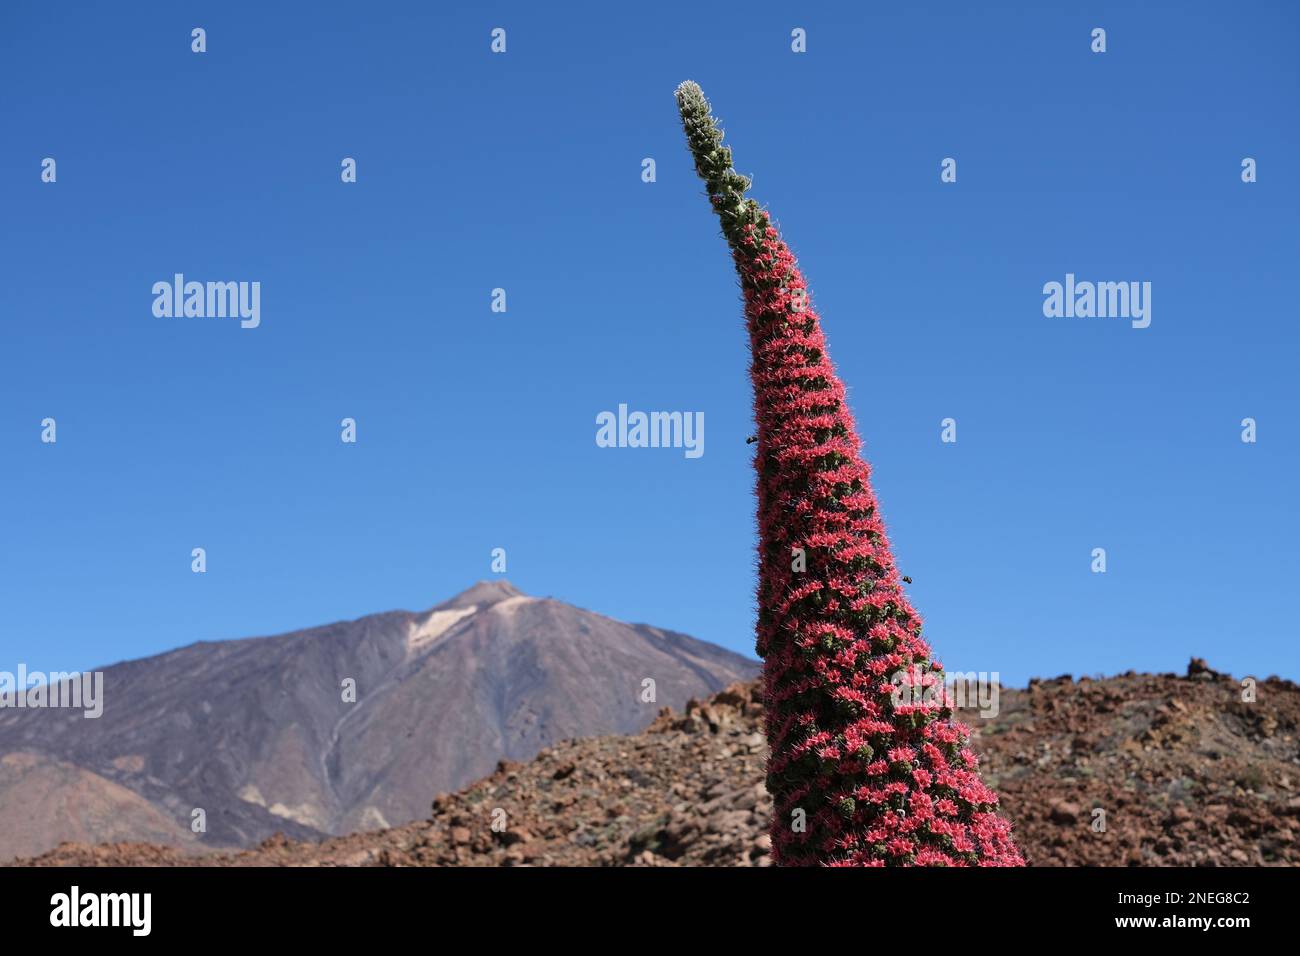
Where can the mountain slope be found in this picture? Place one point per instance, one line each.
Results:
(258, 732)
(1186, 772)
(44, 800)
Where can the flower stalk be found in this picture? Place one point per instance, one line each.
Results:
(867, 766)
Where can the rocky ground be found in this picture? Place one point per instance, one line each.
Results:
(1184, 771)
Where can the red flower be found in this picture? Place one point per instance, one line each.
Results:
(863, 768)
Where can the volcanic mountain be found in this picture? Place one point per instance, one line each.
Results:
(262, 735)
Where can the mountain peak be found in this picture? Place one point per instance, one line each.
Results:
(448, 691)
(484, 594)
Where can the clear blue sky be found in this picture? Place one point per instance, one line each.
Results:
(522, 171)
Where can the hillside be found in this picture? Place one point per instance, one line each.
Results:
(1186, 772)
(260, 734)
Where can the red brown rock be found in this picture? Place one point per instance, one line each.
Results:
(1218, 789)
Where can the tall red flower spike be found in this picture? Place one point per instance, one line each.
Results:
(867, 767)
